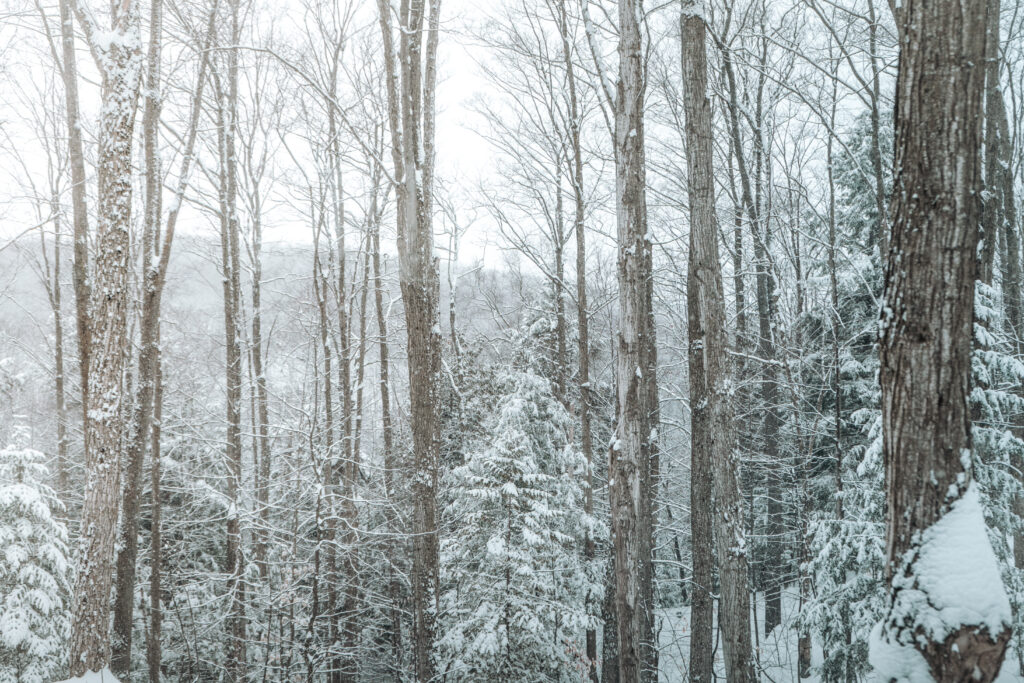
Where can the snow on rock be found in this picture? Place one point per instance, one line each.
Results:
(94, 677)
(954, 581)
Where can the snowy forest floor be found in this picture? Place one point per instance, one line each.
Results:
(776, 653)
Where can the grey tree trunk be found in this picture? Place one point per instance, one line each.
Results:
(632, 457)
(699, 168)
(79, 206)
(124, 602)
(234, 561)
(120, 64)
(928, 317)
(411, 74)
(153, 643)
(713, 440)
(582, 314)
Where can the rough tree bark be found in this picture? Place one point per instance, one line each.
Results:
(926, 345)
(633, 455)
(124, 602)
(119, 62)
(698, 142)
(410, 78)
(712, 436)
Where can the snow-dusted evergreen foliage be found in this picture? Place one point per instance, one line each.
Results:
(847, 552)
(34, 569)
(516, 584)
(998, 449)
(847, 555)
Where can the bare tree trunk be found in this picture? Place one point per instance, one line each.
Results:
(153, 643)
(262, 413)
(124, 602)
(610, 636)
(876, 133)
(329, 467)
(698, 143)
(344, 668)
(582, 313)
(79, 207)
(713, 439)
(394, 588)
(926, 340)
(558, 237)
(234, 564)
(410, 85)
(634, 451)
(120, 68)
(53, 290)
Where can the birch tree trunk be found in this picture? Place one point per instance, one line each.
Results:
(712, 437)
(926, 352)
(120, 68)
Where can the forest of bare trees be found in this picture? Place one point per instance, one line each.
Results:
(528, 340)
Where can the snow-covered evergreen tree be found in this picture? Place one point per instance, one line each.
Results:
(847, 553)
(34, 569)
(997, 449)
(516, 584)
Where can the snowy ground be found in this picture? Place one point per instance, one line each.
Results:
(94, 677)
(777, 653)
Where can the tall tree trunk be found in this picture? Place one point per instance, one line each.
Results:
(610, 636)
(329, 466)
(79, 206)
(736, 627)
(926, 349)
(411, 77)
(387, 430)
(634, 451)
(262, 417)
(698, 143)
(120, 68)
(235, 563)
(344, 668)
(582, 313)
(53, 288)
(712, 437)
(124, 602)
(153, 642)
(876, 133)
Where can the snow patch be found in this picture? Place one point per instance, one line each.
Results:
(894, 662)
(103, 676)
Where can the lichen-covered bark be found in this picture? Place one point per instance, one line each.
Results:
(120, 67)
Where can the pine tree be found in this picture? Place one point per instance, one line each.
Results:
(34, 569)
(516, 583)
